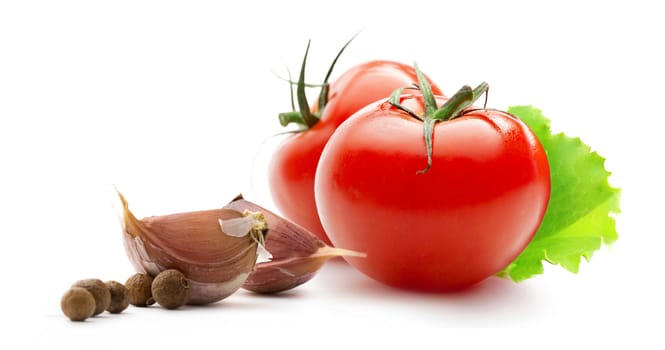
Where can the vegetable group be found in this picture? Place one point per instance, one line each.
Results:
(414, 189)
(439, 218)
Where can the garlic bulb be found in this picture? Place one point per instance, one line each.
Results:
(297, 254)
(215, 249)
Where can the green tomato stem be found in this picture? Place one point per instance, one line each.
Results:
(426, 89)
(462, 99)
(307, 116)
(287, 118)
(323, 95)
(428, 132)
(481, 89)
(394, 100)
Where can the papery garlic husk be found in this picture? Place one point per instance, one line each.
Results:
(216, 263)
(297, 254)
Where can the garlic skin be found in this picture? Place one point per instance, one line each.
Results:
(297, 254)
(215, 263)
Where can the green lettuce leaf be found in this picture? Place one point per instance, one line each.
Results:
(579, 217)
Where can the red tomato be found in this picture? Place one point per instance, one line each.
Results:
(293, 165)
(462, 221)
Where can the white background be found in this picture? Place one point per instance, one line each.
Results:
(172, 101)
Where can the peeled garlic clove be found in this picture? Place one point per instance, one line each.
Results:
(215, 263)
(297, 254)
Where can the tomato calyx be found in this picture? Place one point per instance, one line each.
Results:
(451, 109)
(304, 117)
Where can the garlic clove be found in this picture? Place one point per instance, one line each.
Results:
(215, 262)
(297, 254)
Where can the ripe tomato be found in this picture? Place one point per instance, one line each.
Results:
(463, 220)
(293, 164)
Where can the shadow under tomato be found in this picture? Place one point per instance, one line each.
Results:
(492, 302)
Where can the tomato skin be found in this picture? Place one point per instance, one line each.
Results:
(291, 177)
(293, 165)
(462, 221)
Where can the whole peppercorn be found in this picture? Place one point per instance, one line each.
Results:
(78, 304)
(119, 297)
(99, 291)
(170, 289)
(139, 290)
